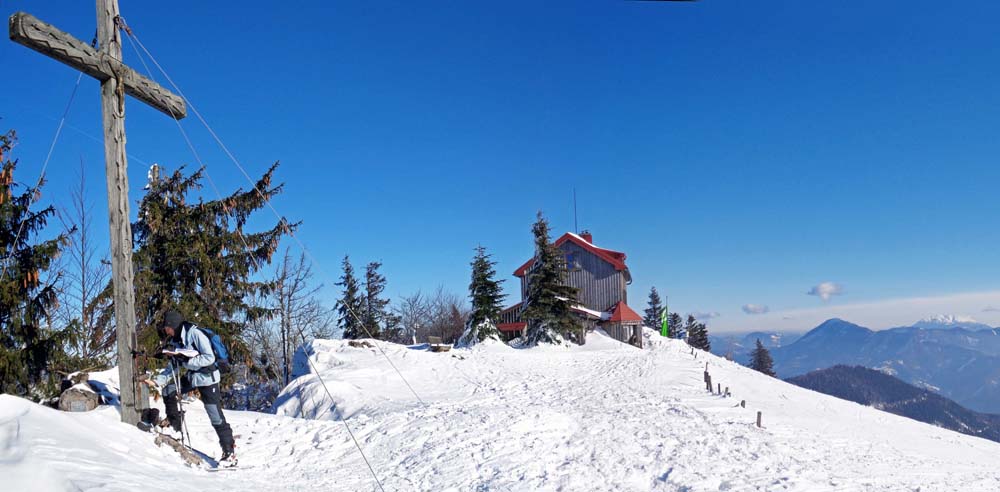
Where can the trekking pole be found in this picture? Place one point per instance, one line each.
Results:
(180, 403)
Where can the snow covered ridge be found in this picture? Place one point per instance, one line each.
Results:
(600, 417)
(948, 319)
(945, 321)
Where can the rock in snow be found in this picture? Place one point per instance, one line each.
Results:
(604, 416)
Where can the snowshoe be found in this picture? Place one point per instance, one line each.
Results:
(228, 460)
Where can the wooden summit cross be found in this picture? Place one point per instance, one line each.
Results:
(117, 79)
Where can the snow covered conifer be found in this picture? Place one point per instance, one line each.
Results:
(697, 334)
(29, 347)
(652, 313)
(486, 296)
(350, 307)
(547, 304)
(760, 360)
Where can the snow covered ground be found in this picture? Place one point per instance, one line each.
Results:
(605, 416)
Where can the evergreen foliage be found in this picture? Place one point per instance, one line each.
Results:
(487, 298)
(697, 334)
(382, 323)
(351, 305)
(677, 329)
(760, 360)
(196, 257)
(30, 348)
(652, 313)
(547, 304)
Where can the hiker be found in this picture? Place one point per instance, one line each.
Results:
(202, 374)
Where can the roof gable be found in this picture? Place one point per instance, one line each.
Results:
(621, 312)
(615, 258)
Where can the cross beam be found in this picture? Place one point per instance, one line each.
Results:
(28, 30)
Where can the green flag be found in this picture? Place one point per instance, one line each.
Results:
(665, 322)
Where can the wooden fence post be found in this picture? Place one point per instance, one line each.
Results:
(759, 414)
(719, 389)
(708, 383)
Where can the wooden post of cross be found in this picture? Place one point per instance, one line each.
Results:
(117, 79)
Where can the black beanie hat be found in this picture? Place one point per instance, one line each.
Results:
(172, 319)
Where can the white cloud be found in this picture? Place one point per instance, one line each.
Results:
(755, 309)
(703, 315)
(826, 290)
(991, 309)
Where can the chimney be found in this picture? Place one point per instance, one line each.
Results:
(587, 237)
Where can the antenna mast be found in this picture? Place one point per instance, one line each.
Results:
(576, 228)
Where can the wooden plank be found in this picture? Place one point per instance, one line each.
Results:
(115, 166)
(190, 457)
(27, 30)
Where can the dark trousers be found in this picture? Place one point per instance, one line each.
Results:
(212, 398)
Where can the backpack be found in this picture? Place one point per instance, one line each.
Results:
(218, 350)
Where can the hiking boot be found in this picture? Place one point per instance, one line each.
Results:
(228, 459)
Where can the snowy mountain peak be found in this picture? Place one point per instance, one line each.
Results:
(948, 321)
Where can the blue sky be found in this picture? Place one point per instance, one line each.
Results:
(739, 152)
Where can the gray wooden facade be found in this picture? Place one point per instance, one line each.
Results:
(599, 285)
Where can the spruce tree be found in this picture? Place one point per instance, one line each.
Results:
(195, 256)
(351, 306)
(547, 304)
(486, 296)
(677, 329)
(697, 334)
(377, 318)
(30, 347)
(653, 312)
(760, 360)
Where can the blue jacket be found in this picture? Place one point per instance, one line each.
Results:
(193, 338)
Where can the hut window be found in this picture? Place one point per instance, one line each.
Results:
(572, 262)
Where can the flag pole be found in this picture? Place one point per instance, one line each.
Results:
(665, 318)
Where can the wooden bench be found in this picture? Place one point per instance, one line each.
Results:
(437, 346)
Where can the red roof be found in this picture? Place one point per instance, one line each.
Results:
(616, 258)
(512, 326)
(621, 312)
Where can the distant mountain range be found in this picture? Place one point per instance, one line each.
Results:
(958, 358)
(738, 346)
(884, 392)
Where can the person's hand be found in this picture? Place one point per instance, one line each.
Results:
(181, 358)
